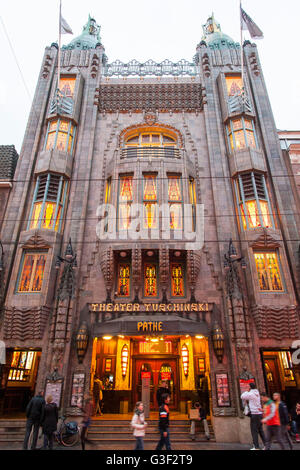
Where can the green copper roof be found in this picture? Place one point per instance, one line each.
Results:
(89, 37)
(213, 35)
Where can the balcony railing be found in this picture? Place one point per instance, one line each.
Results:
(150, 152)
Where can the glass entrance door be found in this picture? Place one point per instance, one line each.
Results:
(157, 370)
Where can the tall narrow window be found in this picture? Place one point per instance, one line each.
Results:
(48, 202)
(268, 271)
(150, 201)
(124, 280)
(254, 204)
(32, 272)
(67, 86)
(177, 280)
(150, 280)
(60, 135)
(193, 201)
(234, 85)
(125, 201)
(241, 134)
(107, 198)
(175, 201)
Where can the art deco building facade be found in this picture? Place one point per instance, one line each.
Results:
(119, 263)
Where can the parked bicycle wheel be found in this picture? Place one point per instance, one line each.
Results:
(69, 439)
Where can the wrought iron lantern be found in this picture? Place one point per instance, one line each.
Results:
(124, 359)
(185, 359)
(82, 339)
(218, 342)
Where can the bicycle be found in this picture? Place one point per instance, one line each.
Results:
(68, 434)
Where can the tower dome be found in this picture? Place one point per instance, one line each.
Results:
(213, 35)
(89, 37)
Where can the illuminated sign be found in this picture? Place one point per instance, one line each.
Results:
(134, 307)
(149, 325)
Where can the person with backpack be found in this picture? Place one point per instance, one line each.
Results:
(34, 413)
(139, 424)
(272, 421)
(49, 422)
(252, 399)
(284, 419)
(163, 424)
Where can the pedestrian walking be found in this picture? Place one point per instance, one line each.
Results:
(162, 390)
(253, 400)
(202, 418)
(284, 419)
(34, 412)
(295, 418)
(139, 425)
(98, 395)
(163, 424)
(88, 411)
(272, 421)
(49, 422)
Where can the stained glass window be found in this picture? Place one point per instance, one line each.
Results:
(150, 280)
(175, 202)
(48, 203)
(124, 279)
(60, 135)
(67, 86)
(177, 280)
(193, 201)
(268, 271)
(151, 144)
(241, 134)
(21, 366)
(32, 272)
(253, 201)
(234, 85)
(125, 201)
(150, 201)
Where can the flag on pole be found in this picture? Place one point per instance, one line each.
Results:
(248, 23)
(64, 27)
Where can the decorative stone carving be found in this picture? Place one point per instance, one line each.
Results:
(35, 242)
(25, 322)
(94, 66)
(46, 66)
(162, 97)
(118, 68)
(193, 269)
(265, 241)
(164, 271)
(254, 64)
(136, 270)
(107, 266)
(276, 322)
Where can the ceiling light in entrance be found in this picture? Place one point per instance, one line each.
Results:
(199, 337)
(107, 337)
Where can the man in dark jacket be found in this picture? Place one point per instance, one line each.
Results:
(284, 419)
(163, 424)
(162, 390)
(34, 413)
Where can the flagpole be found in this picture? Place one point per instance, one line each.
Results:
(59, 47)
(242, 52)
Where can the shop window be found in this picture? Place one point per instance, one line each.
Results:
(125, 201)
(150, 201)
(268, 272)
(48, 202)
(21, 366)
(150, 280)
(67, 86)
(177, 280)
(32, 272)
(253, 201)
(287, 365)
(241, 134)
(123, 289)
(60, 135)
(175, 201)
(234, 85)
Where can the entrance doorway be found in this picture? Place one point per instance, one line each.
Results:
(160, 369)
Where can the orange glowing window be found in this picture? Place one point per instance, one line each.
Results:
(268, 271)
(185, 359)
(124, 280)
(241, 134)
(234, 85)
(21, 366)
(32, 272)
(177, 280)
(150, 280)
(150, 201)
(60, 135)
(67, 86)
(124, 359)
(175, 202)
(125, 201)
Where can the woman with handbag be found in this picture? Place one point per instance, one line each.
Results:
(253, 409)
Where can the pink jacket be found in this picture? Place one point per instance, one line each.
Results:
(139, 425)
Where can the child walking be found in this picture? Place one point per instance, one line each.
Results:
(139, 425)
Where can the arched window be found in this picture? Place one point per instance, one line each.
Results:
(151, 143)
